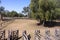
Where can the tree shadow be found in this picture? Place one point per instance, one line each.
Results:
(19, 37)
(57, 23)
(51, 24)
(40, 23)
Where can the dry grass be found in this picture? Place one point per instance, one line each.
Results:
(28, 25)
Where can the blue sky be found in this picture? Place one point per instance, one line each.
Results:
(16, 5)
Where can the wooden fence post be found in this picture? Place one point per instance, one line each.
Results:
(47, 35)
(2, 35)
(25, 37)
(37, 35)
(13, 35)
(57, 34)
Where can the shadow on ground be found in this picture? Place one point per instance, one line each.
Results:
(50, 24)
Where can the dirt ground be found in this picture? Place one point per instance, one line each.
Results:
(29, 25)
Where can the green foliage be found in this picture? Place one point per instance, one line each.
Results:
(34, 6)
(21, 15)
(1, 9)
(57, 3)
(12, 14)
(43, 9)
(25, 9)
(1, 12)
(57, 15)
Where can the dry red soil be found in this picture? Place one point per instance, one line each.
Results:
(28, 25)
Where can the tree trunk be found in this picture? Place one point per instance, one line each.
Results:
(1, 17)
(41, 21)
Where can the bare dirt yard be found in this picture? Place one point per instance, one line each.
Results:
(29, 25)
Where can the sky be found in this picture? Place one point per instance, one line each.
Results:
(16, 5)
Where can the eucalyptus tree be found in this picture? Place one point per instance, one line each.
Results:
(1, 12)
(57, 3)
(43, 10)
(26, 10)
(34, 6)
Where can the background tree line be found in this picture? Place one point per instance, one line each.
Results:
(6, 13)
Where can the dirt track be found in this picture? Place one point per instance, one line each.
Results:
(28, 25)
